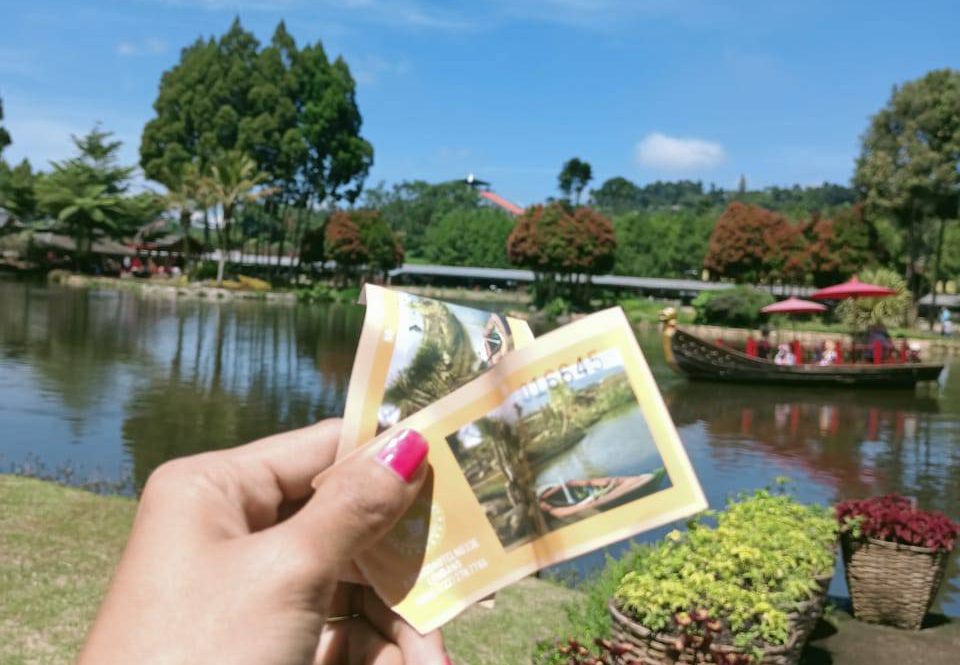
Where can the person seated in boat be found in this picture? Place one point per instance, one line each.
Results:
(877, 334)
(785, 356)
(829, 355)
(763, 345)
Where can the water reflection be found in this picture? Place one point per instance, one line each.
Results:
(116, 384)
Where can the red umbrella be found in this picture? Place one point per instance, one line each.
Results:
(793, 306)
(853, 288)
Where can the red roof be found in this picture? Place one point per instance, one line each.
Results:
(498, 200)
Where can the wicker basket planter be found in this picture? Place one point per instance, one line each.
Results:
(890, 583)
(652, 648)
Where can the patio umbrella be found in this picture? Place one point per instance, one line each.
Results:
(853, 288)
(793, 305)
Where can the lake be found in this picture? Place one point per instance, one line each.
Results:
(106, 385)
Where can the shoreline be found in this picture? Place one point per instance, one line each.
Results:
(171, 289)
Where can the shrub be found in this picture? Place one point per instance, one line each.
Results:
(897, 519)
(738, 306)
(733, 576)
(890, 311)
(748, 572)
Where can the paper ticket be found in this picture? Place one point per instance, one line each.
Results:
(412, 352)
(563, 447)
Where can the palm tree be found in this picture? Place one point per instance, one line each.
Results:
(233, 182)
(185, 193)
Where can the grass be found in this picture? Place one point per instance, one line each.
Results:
(58, 547)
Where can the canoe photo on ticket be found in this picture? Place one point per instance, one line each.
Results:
(563, 447)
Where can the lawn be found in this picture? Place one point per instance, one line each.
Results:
(58, 547)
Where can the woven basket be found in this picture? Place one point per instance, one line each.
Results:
(653, 648)
(658, 648)
(890, 583)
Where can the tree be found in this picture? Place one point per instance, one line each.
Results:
(469, 237)
(384, 252)
(343, 243)
(889, 311)
(86, 193)
(233, 182)
(361, 237)
(662, 243)
(573, 178)
(750, 244)
(841, 246)
(563, 247)
(908, 164)
(5, 139)
(616, 196)
(411, 208)
(18, 189)
(312, 247)
(290, 109)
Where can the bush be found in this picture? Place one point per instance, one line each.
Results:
(748, 572)
(740, 572)
(890, 312)
(898, 520)
(324, 293)
(738, 307)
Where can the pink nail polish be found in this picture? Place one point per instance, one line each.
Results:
(447, 661)
(404, 454)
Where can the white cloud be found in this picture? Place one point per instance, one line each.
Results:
(148, 46)
(670, 153)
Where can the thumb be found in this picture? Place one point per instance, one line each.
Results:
(358, 501)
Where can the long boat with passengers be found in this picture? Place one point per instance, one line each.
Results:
(701, 359)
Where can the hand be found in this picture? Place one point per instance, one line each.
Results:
(231, 560)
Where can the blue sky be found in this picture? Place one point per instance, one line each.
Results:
(646, 89)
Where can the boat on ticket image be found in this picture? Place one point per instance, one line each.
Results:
(862, 366)
(575, 499)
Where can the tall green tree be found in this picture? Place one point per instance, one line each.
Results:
(469, 237)
(5, 139)
(411, 208)
(233, 182)
(909, 165)
(291, 109)
(87, 193)
(18, 189)
(574, 177)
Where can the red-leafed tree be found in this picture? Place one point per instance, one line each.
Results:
(361, 238)
(753, 244)
(840, 247)
(563, 247)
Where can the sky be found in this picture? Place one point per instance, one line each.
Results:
(509, 89)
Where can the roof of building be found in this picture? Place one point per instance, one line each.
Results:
(501, 202)
(67, 244)
(943, 300)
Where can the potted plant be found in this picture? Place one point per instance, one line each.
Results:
(894, 555)
(745, 585)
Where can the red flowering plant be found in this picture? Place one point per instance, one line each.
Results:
(897, 519)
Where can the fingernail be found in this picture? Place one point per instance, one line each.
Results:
(447, 661)
(404, 454)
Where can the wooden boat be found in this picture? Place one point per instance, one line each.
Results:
(700, 359)
(575, 499)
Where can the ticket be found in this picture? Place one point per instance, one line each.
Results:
(562, 447)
